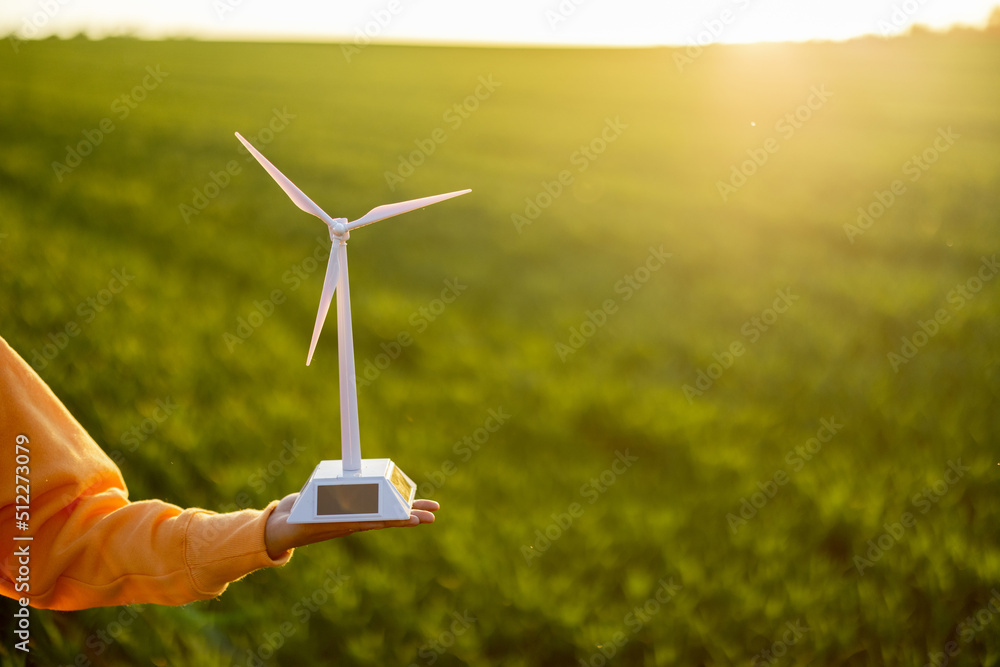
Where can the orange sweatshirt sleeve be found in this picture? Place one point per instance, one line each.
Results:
(91, 546)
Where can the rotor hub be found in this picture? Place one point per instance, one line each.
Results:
(339, 230)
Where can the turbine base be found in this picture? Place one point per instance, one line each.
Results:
(379, 491)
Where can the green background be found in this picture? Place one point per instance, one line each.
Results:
(617, 535)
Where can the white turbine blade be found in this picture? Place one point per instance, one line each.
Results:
(389, 210)
(329, 287)
(297, 196)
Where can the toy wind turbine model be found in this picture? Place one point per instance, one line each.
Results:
(352, 489)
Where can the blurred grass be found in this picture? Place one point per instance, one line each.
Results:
(494, 347)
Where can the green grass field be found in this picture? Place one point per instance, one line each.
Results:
(747, 446)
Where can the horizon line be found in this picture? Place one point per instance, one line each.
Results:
(914, 30)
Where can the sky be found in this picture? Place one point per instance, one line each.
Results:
(556, 22)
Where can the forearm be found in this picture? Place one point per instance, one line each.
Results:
(106, 551)
(90, 546)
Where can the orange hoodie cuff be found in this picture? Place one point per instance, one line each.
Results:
(221, 548)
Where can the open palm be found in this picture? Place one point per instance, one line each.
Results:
(280, 536)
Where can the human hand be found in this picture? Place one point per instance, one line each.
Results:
(280, 536)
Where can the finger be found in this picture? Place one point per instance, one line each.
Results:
(429, 505)
(417, 517)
